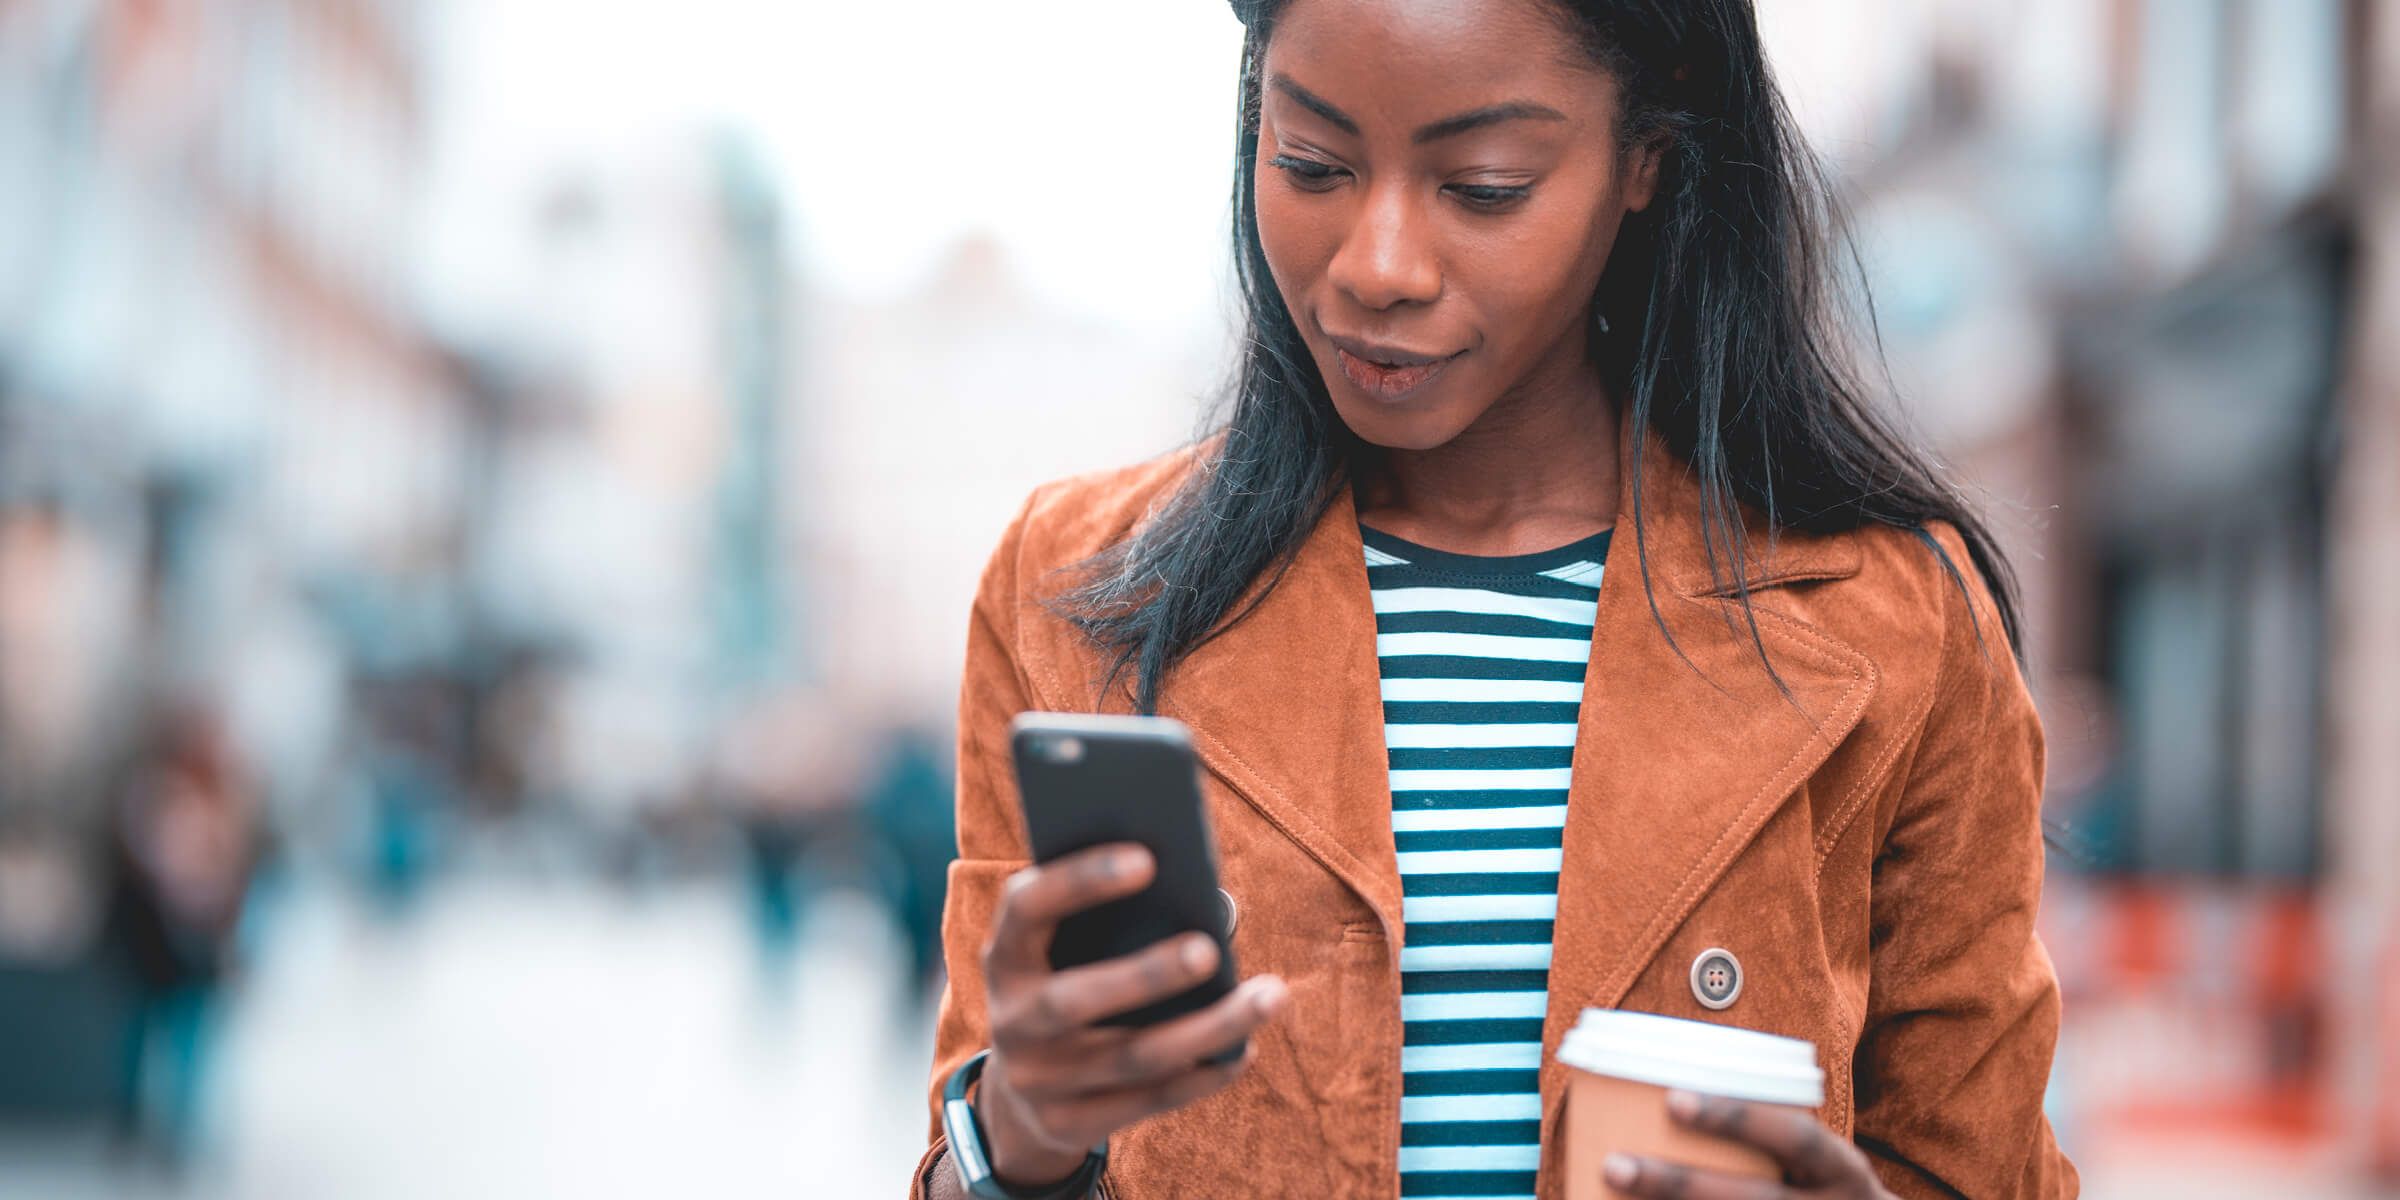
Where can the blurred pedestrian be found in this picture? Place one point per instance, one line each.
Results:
(790, 771)
(908, 812)
(186, 840)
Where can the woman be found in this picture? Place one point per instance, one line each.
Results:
(1516, 269)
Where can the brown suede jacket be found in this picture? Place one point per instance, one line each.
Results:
(1875, 865)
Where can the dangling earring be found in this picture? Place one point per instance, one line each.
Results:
(1601, 319)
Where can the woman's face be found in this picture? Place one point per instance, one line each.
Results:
(1439, 185)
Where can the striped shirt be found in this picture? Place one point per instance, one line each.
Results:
(1482, 663)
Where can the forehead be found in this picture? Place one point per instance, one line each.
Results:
(1400, 59)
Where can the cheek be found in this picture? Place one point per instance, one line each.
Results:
(1529, 278)
(1561, 259)
(1293, 236)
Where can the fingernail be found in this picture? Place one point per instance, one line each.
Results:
(1683, 1104)
(1195, 952)
(1127, 862)
(1271, 996)
(1619, 1170)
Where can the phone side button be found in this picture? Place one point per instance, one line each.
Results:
(1233, 912)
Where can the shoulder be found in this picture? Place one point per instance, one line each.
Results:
(1069, 519)
(1062, 522)
(1918, 608)
(1918, 583)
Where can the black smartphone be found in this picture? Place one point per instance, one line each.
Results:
(1088, 779)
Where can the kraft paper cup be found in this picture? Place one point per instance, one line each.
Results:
(1621, 1065)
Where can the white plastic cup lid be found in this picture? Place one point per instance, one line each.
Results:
(1718, 1060)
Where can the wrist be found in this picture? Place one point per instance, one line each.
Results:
(980, 1166)
(1020, 1158)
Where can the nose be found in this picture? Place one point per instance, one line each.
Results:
(1386, 258)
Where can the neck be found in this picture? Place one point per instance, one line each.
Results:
(1537, 470)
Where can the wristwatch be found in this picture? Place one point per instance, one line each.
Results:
(975, 1163)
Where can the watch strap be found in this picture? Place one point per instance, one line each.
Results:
(967, 1150)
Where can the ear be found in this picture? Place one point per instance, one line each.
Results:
(1642, 165)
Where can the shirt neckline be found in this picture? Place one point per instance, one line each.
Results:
(1593, 548)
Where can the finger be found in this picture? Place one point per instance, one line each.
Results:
(1658, 1179)
(1811, 1155)
(1170, 967)
(1095, 1117)
(1037, 898)
(1174, 1047)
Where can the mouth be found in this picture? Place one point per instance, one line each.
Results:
(1388, 372)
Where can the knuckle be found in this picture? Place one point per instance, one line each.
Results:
(1030, 1020)
(1671, 1181)
(1045, 1012)
(1008, 1026)
(1061, 1007)
(1857, 1159)
(1161, 968)
(1132, 1061)
(1824, 1151)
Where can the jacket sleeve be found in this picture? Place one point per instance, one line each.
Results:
(991, 835)
(1963, 1005)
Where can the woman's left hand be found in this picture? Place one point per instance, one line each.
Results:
(1818, 1163)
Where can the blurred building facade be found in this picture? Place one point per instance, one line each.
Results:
(2131, 260)
(2364, 691)
(299, 560)
(215, 405)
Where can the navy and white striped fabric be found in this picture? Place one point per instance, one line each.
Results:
(1483, 663)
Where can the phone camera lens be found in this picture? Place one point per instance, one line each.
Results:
(1066, 749)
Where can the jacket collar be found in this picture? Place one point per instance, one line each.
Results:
(1683, 751)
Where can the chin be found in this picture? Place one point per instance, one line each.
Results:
(1392, 428)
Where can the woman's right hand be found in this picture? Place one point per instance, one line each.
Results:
(1056, 1083)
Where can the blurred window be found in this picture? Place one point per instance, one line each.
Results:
(2206, 479)
(2173, 198)
(2287, 123)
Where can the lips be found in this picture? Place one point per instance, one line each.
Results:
(1388, 372)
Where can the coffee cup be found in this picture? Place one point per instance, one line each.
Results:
(1621, 1066)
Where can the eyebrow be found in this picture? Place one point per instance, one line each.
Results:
(1490, 114)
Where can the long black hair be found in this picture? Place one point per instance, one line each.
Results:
(1728, 340)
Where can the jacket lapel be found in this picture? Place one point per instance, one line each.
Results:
(1679, 764)
(1286, 706)
(1683, 751)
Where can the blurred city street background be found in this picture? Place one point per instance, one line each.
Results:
(490, 491)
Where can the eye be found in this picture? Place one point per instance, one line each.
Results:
(1307, 174)
(1490, 197)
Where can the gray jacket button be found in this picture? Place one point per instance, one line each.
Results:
(1233, 912)
(1716, 978)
